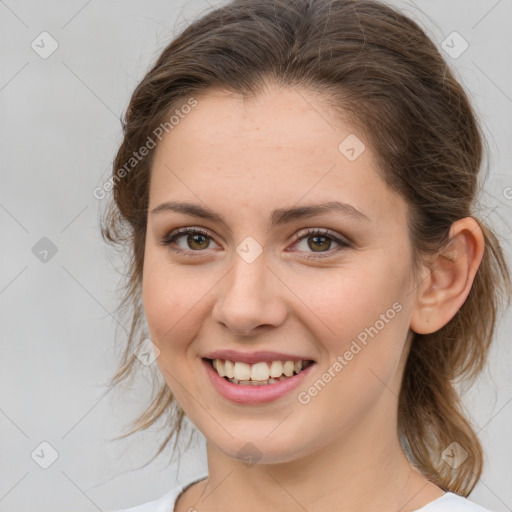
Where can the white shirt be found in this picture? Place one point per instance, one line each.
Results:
(448, 502)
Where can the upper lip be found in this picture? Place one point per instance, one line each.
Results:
(253, 357)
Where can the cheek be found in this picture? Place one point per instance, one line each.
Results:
(170, 306)
(342, 303)
(360, 316)
(173, 296)
(363, 327)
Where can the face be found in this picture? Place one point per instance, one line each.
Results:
(332, 287)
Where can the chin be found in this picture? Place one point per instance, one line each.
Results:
(258, 449)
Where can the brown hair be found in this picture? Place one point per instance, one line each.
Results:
(377, 68)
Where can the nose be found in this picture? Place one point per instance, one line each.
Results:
(250, 299)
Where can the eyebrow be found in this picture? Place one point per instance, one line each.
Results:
(279, 217)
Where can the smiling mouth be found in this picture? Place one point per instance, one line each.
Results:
(257, 374)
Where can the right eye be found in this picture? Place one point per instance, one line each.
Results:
(195, 240)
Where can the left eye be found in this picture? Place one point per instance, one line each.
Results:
(319, 241)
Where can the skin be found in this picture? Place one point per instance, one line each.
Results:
(244, 158)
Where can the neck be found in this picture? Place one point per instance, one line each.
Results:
(352, 472)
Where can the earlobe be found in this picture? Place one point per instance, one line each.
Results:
(448, 277)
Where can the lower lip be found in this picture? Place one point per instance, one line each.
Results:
(249, 394)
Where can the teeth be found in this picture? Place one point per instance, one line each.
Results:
(276, 369)
(242, 371)
(288, 368)
(258, 373)
(229, 369)
(255, 382)
(220, 368)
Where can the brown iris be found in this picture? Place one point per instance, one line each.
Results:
(194, 241)
(326, 243)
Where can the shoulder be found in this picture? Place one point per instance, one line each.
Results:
(451, 502)
(163, 504)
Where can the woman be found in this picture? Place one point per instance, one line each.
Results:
(296, 185)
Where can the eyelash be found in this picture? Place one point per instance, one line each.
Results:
(174, 235)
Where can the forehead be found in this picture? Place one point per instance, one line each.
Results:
(276, 149)
(279, 118)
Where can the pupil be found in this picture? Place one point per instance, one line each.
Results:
(193, 239)
(316, 238)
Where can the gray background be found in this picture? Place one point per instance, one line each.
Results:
(60, 129)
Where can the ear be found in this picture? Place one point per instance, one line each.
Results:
(447, 277)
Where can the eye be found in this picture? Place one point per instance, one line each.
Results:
(319, 241)
(194, 240)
